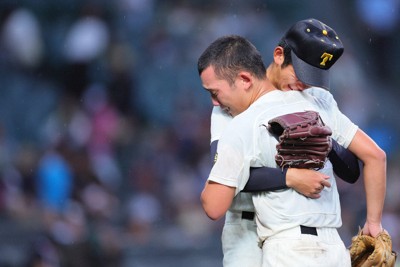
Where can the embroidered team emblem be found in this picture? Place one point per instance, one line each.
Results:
(325, 57)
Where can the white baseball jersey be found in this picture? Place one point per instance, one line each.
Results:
(246, 143)
(219, 121)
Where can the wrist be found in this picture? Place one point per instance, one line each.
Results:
(288, 176)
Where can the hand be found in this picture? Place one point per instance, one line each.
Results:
(372, 229)
(307, 182)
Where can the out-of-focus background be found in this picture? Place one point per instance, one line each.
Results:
(104, 125)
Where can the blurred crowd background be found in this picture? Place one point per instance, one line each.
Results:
(104, 125)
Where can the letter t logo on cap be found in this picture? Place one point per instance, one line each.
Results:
(325, 57)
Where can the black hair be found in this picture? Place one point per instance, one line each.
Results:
(231, 54)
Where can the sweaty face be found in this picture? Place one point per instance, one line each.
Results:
(288, 80)
(228, 97)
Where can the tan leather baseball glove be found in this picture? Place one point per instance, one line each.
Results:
(367, 251)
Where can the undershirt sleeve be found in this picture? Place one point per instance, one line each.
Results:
(345, 163)
(266, 179)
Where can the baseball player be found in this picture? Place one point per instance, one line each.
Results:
(292, 223)
(239, 238)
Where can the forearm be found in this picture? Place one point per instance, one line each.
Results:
(266, 179)
(216, 199)
(374, 172)
(375, 189)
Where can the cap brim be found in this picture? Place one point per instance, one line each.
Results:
(310, 75)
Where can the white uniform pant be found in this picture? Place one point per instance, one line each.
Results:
(291, 248)
(240, 242)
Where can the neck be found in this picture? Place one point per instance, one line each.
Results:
(261, 89)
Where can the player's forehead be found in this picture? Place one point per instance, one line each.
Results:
(210, 80)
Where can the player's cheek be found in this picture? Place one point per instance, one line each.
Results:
(286, 87)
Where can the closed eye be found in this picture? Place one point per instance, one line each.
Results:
(213, 94)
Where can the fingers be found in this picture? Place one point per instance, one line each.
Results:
(309, 183)
(314, 195)
(325, 183)
(319, 189)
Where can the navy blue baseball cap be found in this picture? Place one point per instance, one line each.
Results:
(315, 48)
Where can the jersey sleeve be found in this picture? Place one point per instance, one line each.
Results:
(231, 166)
(343, 128)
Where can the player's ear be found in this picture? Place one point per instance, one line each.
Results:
(245, 79)
(278, 55)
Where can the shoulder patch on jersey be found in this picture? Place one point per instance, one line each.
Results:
(215, 157)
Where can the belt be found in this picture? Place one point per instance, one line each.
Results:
(305, 230)
(248, 215)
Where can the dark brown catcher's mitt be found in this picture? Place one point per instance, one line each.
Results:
(304, 140)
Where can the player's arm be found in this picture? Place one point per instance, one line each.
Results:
(264, 179)
(374, 170)
(304, 181)
(216, 199)
(345, 165)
